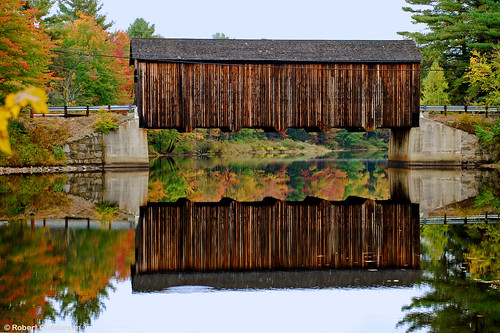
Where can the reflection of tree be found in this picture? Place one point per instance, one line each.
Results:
(292, 181)
(22, 195)
(82, 311)
(166, 184)
(72, 267)
(28, 274)
(459, 301)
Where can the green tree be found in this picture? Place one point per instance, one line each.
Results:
(141, 28)
(24, 49)
(70, 10)
(42, 6)
(88, 75)
(219, 35)
(484, 76)
(434, 87)
(455, 28)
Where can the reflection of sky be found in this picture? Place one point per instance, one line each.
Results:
(300, 310)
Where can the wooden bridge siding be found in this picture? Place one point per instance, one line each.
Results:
(196, 237)
(187, 96)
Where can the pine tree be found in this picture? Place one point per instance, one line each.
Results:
(69, 11)
(434, 87)
(141, 28)
(219, 35)
(42, 6)
(455, 28)
(24, 48)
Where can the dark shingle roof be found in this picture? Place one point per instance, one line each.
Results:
(263, 50)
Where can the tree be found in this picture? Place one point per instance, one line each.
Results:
(455, 28)
(120, 49)
(484, 76)
(42, 6)
(24, 49)
(91, 65)
(434, 87)
(141, 28)
(70, 10)
(219, 35)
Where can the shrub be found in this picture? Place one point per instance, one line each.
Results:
(186, 147)
(488, 133)
(107, 212)
(106, 122)
(58, 153)
(209, 147)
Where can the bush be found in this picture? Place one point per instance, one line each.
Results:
(162, 141)
(488, 133)
(107, 212)
(106, 122)
(209, 147)
(186, 147)
(58, 153)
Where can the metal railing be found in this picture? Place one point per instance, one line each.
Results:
(78, 111)
(486, 218)
(473, 109)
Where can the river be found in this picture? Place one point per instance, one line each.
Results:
(277, 244)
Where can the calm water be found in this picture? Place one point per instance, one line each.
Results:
(278, 244)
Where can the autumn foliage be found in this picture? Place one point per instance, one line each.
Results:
(91, 65)
(41, 266)
(25, 49)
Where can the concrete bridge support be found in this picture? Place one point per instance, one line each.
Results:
(433, 188)
(127, 147)
(434, 144)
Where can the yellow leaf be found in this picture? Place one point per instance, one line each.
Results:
(11, 106)
(4, 134)
(35, 97)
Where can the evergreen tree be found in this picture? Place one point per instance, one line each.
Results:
(69, 11)
(42, 6)
(454, 29)
(434, 87)
(141, 28)
(219, 35)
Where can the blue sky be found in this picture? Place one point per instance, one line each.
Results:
(291, 19)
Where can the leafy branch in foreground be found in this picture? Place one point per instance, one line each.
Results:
(35, 97)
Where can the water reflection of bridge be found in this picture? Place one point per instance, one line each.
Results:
(275, 235)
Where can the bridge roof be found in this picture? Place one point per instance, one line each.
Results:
(263, 50)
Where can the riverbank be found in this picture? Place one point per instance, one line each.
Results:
(51, 169)
(204, 142)
(53, 144)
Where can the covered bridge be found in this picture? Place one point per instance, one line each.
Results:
(276, 84)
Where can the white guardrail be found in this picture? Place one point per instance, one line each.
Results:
(473, 109)
(75, 111)
(72, 111)
(487, 218)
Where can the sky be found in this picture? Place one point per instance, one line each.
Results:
(271, 19)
